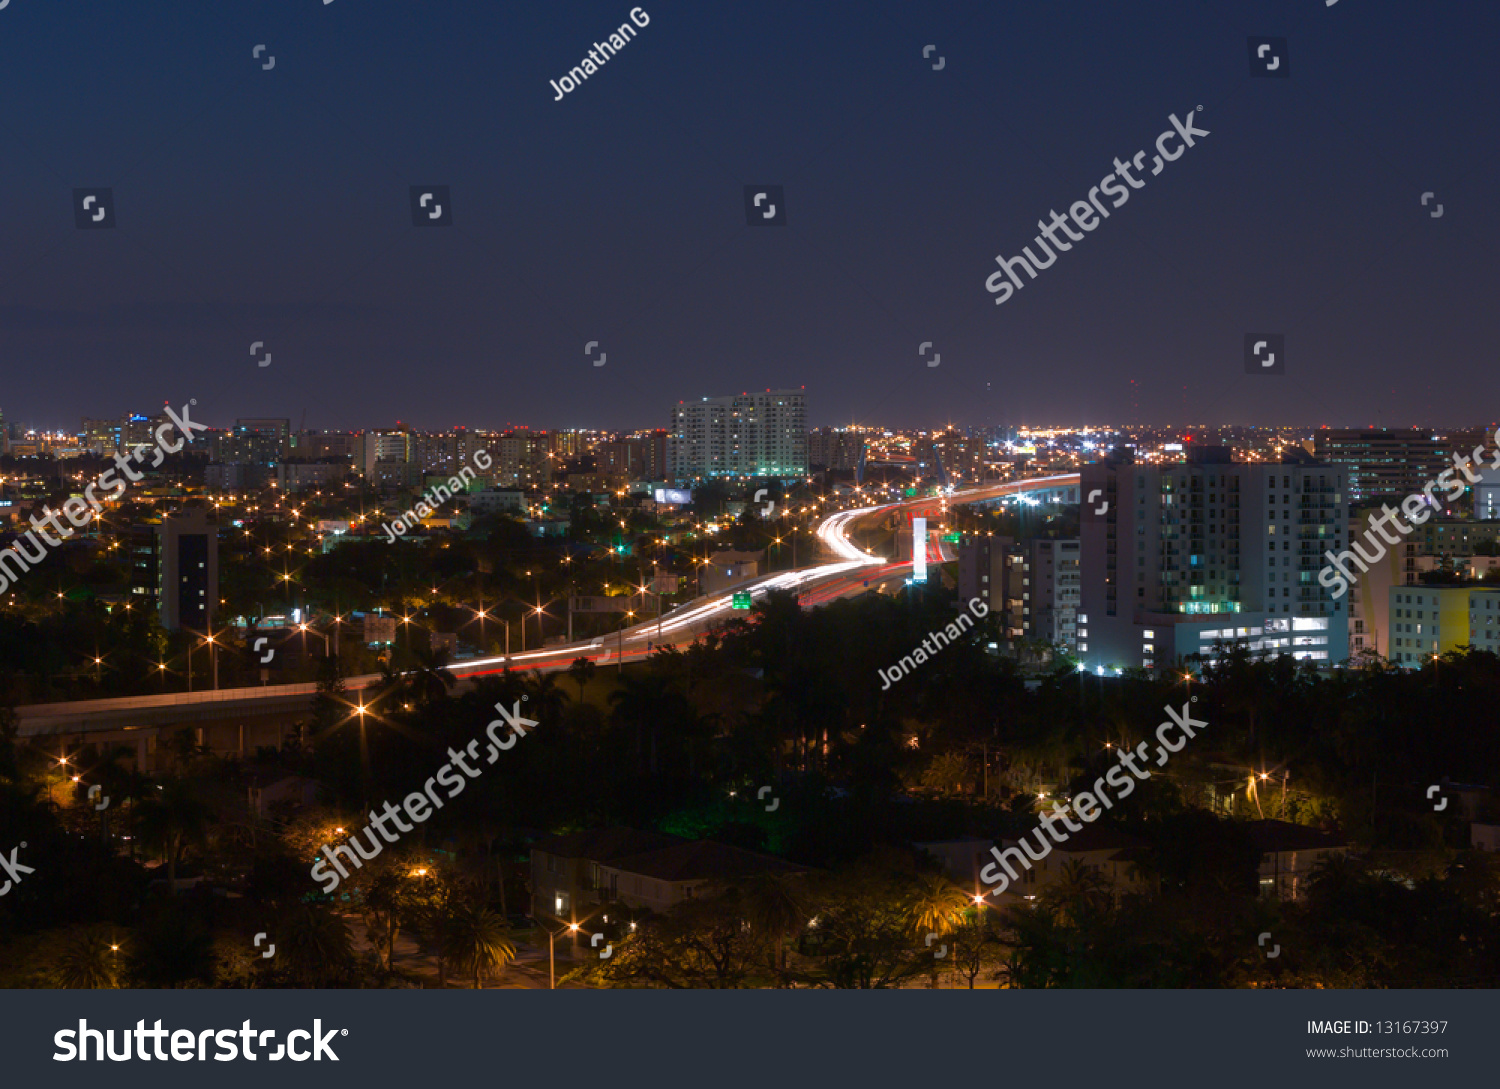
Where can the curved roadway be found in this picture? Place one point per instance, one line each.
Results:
(850, 572)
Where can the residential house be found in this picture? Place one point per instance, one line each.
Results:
(1288, 855)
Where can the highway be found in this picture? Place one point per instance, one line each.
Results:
(848, 572)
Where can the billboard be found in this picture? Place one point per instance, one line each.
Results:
(380, 629)
(919, 549)
(599, 604)
(680, 497)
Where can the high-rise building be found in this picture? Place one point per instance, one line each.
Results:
(180, 569)
(1031, 586)
(103, 436)
(570, 443)
(437, 452)
(950, 457)
(994, 570)
(260, 442)
(327, 444)
(1055, 588)
(137, 430)
(623, 460)
(1383, 463)
(1487, 495)
(523, 459)
(653, 452)
(749, 435)
(1182, 559)
(835, 448)
(384, 445)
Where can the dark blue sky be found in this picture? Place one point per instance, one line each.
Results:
(273, 205)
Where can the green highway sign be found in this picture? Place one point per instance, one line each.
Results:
(742, 599)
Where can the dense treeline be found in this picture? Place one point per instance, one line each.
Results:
(793, 700)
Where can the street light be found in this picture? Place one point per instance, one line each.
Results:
(571, 928)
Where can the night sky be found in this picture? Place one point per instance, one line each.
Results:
(274, 206)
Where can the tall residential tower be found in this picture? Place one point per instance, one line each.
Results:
(753, 434)
(1180, 560)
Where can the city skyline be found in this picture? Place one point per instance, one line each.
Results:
(227, 422)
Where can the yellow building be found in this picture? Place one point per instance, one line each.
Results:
(1428, 620)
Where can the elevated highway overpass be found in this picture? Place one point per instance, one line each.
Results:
(241, 719)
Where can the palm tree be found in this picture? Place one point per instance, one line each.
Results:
(642, 702)
(1078, 892)
(937, 904)
(316, 945)
(773, 911)
(582, 671)
(83, 958)
(170, 820)
(431, 678)
(476, 941)
(547, 699)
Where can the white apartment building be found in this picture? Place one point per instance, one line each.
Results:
(1183, 558)
(749, 435)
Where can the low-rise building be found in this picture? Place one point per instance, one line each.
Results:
(1114, 856)
(566, 870)
(726, 570)
(493, 500)
(1289, 854)
(1435, 619)
(658, 879)
(577, 875)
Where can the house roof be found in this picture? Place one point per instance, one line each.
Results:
(1099, 837)
(1275, 836)
(605, 844)
(703, 860)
